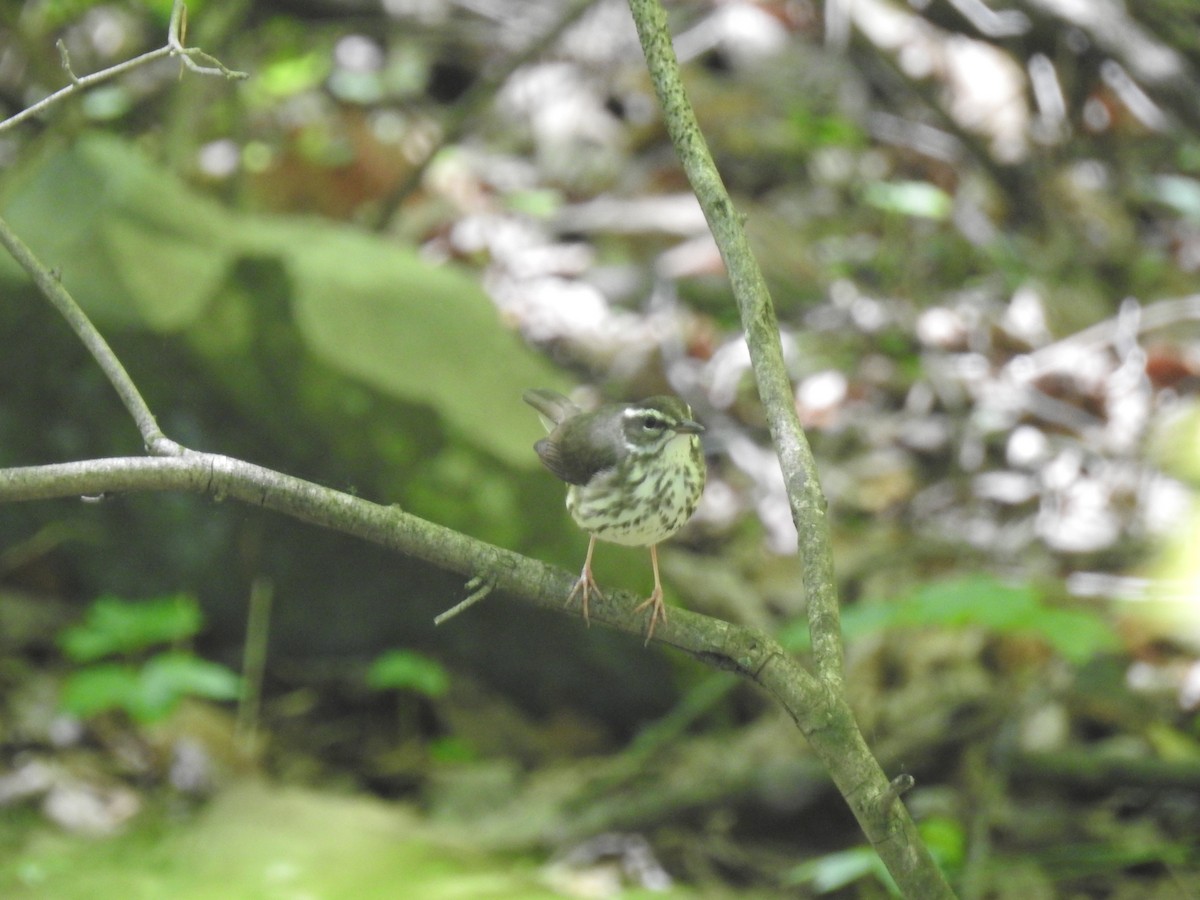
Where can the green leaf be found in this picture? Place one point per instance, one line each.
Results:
(96, 689)
(136, 247)
(814, 129)
(169, 677)
(1175, 442)
(149, 692)
(1077, 634)
(972, 599)
(946, 840)
(910, 198)
(538, 203)
(424, 333)
(835, 871)
(132, 243)
(1177, 191)
(452, 749)
(288, 76)
(406, 670)
(113, 626)
(1009, 608)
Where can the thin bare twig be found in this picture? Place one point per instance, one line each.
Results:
(156, 442)
(174, 47)
(64, 57)
(479, 586)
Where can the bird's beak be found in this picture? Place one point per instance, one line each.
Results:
(687, 426)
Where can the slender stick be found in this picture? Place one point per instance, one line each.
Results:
(78, 84)
(254, 662)
(156, 442)
(173, 48)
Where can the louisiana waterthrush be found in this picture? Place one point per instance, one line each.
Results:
(635, 472)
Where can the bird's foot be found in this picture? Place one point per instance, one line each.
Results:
(585, 586)
(658, 610)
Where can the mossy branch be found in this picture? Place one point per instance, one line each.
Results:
(874, 800)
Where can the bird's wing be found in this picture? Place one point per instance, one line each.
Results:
(552, 407)
(580, 449)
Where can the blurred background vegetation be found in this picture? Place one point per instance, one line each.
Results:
(981, 228)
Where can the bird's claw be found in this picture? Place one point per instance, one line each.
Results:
(658, 611)
(585, 586)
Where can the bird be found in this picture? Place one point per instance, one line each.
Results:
(635, 473)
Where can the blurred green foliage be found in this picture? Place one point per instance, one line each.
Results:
(978, 600)
(405, 670)
(148, 689)
(909, 198)
(140, 250)
(115, 627)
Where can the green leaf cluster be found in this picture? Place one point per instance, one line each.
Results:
(115, 627)
(148, 689)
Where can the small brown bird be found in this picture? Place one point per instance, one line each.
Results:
(635, 472)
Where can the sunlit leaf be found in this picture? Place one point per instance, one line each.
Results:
(290, 75)
(131, 242)
(946, 839)
(910, 198)
(138, 248)
(96, 689)
(406, 670)
(113, 626)
(169, 677)
(1178, 191)
(835, 871)
(426, 333)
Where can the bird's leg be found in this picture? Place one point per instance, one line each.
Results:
(586, 582)
(658, 609)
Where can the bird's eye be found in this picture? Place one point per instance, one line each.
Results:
(653, 423)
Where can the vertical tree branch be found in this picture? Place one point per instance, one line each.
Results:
(834, 736)
(762, 334)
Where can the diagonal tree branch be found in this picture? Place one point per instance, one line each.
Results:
(713, 641)
(820, 713)
(52, 289)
